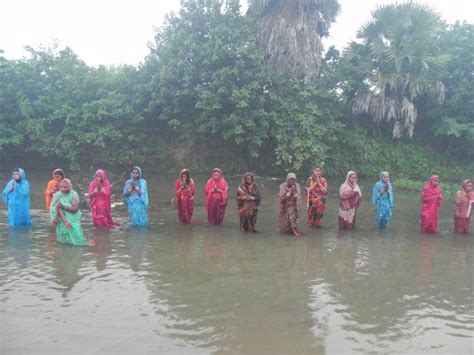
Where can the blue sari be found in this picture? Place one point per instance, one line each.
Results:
(18, 201)
(137, 203)
(383, 202)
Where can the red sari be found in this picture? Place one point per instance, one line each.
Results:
(99, 199)
(431, 200)
(185, 198)
(216, 198)
(463, 209)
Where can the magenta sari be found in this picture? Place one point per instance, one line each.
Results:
(185, 198)
(99, 199)
(431, 200)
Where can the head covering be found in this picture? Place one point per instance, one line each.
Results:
(244, 180)
(68, 182)
(188, 177)
(465, 182)
(218, 170)
(105, 183)
(58, 172)
(139, 171)
(346, 186)
(22, 173)
(290, 176)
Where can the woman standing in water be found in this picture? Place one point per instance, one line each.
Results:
(350, 198)
(66, 215)
(431, 200)
(248, 200)
(382, 198)
(216, 191)
(290, 200)
(136, 197)
(184, 191)
(316, 193)
(100, 192)
(16, 196)
(53, 187)
(464, 204)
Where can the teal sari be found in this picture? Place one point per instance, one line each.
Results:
(74, 234)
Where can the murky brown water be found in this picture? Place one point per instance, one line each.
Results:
(201, 289)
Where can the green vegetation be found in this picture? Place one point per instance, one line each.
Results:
(207, 95)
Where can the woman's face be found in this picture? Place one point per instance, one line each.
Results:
(248, 179)
(16, 176)
(385, 178)
(291, 182)
(317, 173)
(135, 174)
(57, 177)
(468, 187)
(98, 177)
(64, 187)
(436, 181)
(353, 178)
(216, 175)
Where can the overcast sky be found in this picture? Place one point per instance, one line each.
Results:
(117, 31)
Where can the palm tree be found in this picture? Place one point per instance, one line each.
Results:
(290, 33)
(398, 55)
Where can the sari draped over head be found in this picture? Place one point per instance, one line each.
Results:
(18, 200)
(431, 200)
(463, 205)
(350, 199)
(290, 200)
(184, 192)
(382, 199)
(68, 224)
(137, 202)
(248, 200)
(51, 188)
(216, 197)
(99, 199)
(316, 200)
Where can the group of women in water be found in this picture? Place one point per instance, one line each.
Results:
(63, 202)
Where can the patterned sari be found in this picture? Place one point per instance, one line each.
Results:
(99, 199)
(184, 191)
(316, 200)
(248, 200)
(350, 198)
(382, 199)
(137, 202)
(290, 200)
(68, 224)
(216, 198)
(431, 200)
(463, 209)
(18, 200)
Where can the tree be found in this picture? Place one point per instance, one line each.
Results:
(290, 33)
(399, 55)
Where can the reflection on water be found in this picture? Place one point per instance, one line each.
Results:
(201, 289)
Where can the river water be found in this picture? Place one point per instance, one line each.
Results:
(202, 289)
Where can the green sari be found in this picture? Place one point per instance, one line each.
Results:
(73, 235)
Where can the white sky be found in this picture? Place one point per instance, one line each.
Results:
(117, 31)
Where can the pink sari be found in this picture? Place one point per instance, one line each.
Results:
(216, 202)
(99, 199)
(431, 200)
(185, 199)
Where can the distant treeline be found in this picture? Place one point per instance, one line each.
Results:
(205, 97)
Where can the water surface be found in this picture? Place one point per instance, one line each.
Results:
(202, 289)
